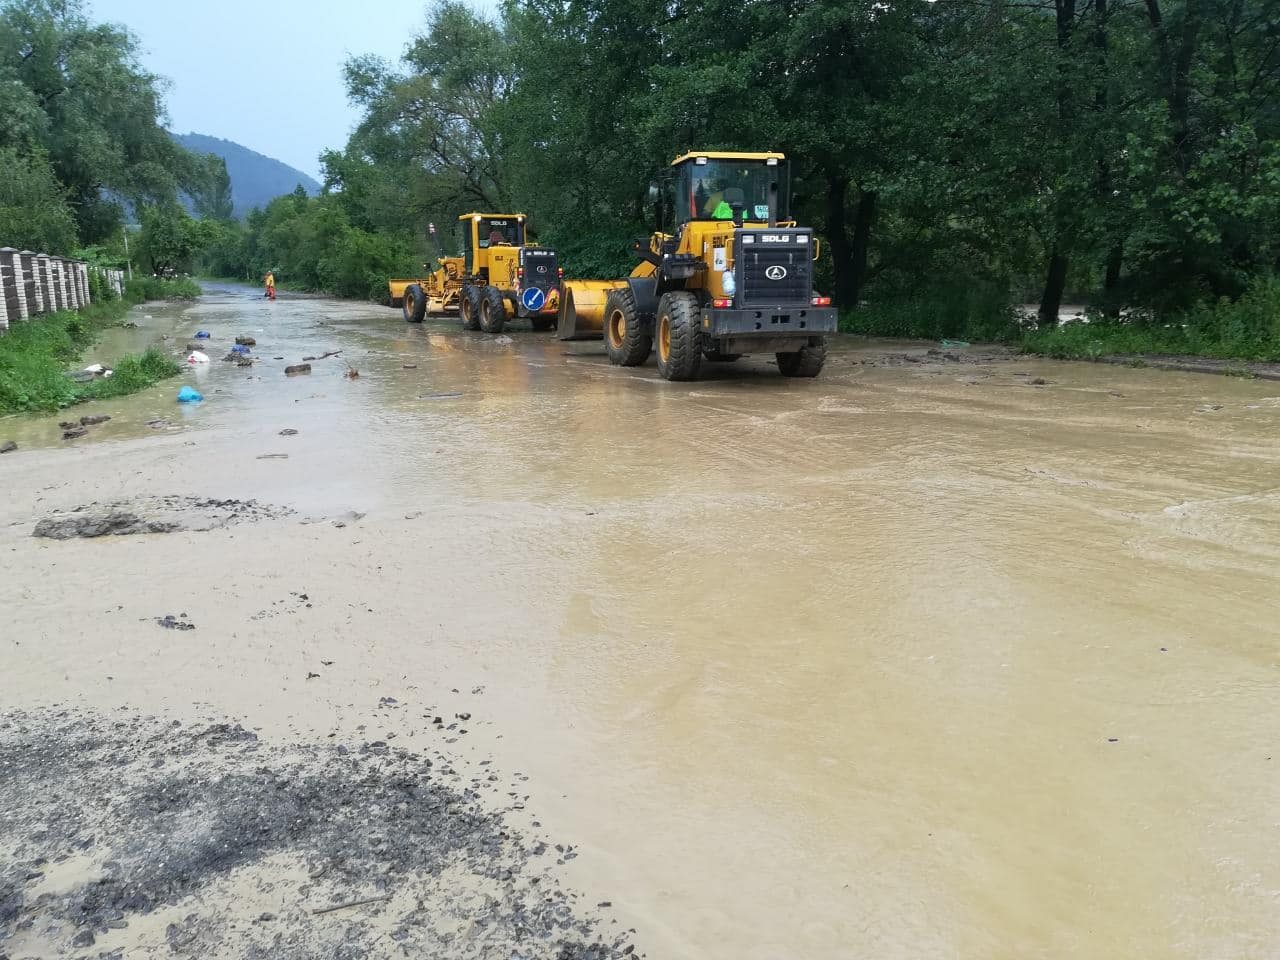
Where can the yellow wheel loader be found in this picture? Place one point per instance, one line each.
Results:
(728, 273)
(500, 277)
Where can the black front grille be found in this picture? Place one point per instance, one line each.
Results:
(540, 269)
(774, 266)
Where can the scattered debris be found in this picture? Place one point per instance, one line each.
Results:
(297, 368)
(411, 366)
(438, 396)
(180, 622)
(160, 423)
(189, 395)
(152, 515)
(90, 421)
(74, 433)
(8, 446)
(1037, 381)
(245, 341)
(288, 432)
(273, 456)
(196, 356)
(352, 373)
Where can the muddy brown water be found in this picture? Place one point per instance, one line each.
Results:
(917, 659)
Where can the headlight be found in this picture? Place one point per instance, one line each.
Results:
(730, 285)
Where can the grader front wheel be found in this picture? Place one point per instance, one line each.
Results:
(469, 307)
(679, 336)
(415, 304)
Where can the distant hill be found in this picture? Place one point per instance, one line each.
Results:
(255, 180)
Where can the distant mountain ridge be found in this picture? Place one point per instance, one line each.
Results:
(256, 180)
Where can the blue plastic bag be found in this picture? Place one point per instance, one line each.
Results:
(202, 334)
(240, 349)
(187, 395)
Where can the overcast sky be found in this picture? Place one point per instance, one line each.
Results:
(266, 74)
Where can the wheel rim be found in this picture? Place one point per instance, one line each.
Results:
(664, 337)
(617, 328)
(485, 312)
(466, 309)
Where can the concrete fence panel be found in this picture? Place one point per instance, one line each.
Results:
(27, 259)
(8, 282)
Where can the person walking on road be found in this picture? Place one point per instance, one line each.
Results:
(271, 285)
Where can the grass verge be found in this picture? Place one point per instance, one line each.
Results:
(35, 355)
(1246, 329)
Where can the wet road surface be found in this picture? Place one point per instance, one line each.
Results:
(968, 657)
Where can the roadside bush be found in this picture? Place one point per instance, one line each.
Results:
(1244, 329)
(142, 289)
(960, 312)
(131, 374)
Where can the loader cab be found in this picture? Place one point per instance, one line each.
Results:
(738, 187)
(483, 231)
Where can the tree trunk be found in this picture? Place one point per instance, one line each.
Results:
(863, 222)
(1115, 262)
(1055, 282)
(838, 237)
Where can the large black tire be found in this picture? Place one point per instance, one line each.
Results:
(543, 324)
(415, 304)
(805, 362)
(469, 307)
(628, 334)
(679, 336)
(493, 311)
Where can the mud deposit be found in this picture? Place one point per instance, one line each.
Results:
(946, 655)
(152, 515)
(125, 836)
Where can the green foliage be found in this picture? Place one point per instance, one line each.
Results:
(144, 289)
(34, 214)
(1125, 153)
(169, 240)
(36, 354)
(132, 374)
(1245, 329)
(966, 311)
(74, 96)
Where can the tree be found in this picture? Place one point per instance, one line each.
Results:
(78, 92)
(34, 214)
(170, 239)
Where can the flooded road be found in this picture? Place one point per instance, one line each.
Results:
(970, 658)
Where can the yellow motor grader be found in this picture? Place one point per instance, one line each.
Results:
(499, 277)
(728, 273)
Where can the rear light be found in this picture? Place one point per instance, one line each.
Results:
(822, 301)
(722, 302)
(519, 273)
(560, 272)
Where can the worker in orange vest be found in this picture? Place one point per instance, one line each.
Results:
(271, 285)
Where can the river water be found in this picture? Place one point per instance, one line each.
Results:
(919, 659)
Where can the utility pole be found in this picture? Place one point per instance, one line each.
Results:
(127, 261)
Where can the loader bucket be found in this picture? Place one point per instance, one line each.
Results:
(582, 308)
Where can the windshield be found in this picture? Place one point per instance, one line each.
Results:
(711, 190)
(495, 230)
